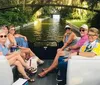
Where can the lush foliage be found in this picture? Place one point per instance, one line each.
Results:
(24, 14)
(76, 22)
(95, 21)
(14, 16)
(66, 13)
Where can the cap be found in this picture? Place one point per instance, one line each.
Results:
(84, 26)
(67, 26)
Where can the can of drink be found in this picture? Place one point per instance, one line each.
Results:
(12, 49)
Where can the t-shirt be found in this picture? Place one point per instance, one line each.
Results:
(91, 47)
(82, 40)
(4, 50)
(74, 41)
(80, 43)
(7, 43)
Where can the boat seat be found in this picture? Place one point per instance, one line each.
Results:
(15, 72)
(6, 75)
(13, 67)
(83, 71)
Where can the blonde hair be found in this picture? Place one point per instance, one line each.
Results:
(94, 30)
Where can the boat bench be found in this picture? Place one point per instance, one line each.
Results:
(15, 73)
(6, 75)
(83, 71)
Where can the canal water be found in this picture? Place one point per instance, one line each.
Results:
(49, 29)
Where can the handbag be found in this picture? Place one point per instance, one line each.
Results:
(32, 62)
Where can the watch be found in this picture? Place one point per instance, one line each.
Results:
(77, 53)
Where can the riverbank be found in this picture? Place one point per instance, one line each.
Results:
(30, 23)
(76, 22)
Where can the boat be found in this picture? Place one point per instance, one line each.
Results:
(80, 71)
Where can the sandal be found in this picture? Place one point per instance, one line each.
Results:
(31, 70)
(42, 74)
(34, 70)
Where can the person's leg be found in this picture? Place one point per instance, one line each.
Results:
(53, 65)
(31, 54)
(27, 51)
(55, 61)
(22, 71)
(17, 57)
(59, 78)
(23, 55)
(62, 66)
(20, 67)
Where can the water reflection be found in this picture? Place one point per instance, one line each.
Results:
(45, 30)
(37, 27)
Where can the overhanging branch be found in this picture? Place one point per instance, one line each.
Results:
(59, 5)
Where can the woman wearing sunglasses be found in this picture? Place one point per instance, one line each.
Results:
(13, 58)
(20, 39)
(69, 38)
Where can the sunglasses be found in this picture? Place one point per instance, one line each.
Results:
(67, 28)
(82, 30)
(1, 36)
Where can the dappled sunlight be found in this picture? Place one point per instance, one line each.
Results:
(37, 25)
(45, 30)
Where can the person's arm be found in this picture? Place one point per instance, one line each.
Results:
(74, 47)
(1, 50)
(64, 37)
(78, 44)
(19, 35)
(83, 54)
(1, 53)
(70, 39)
(87, 54)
